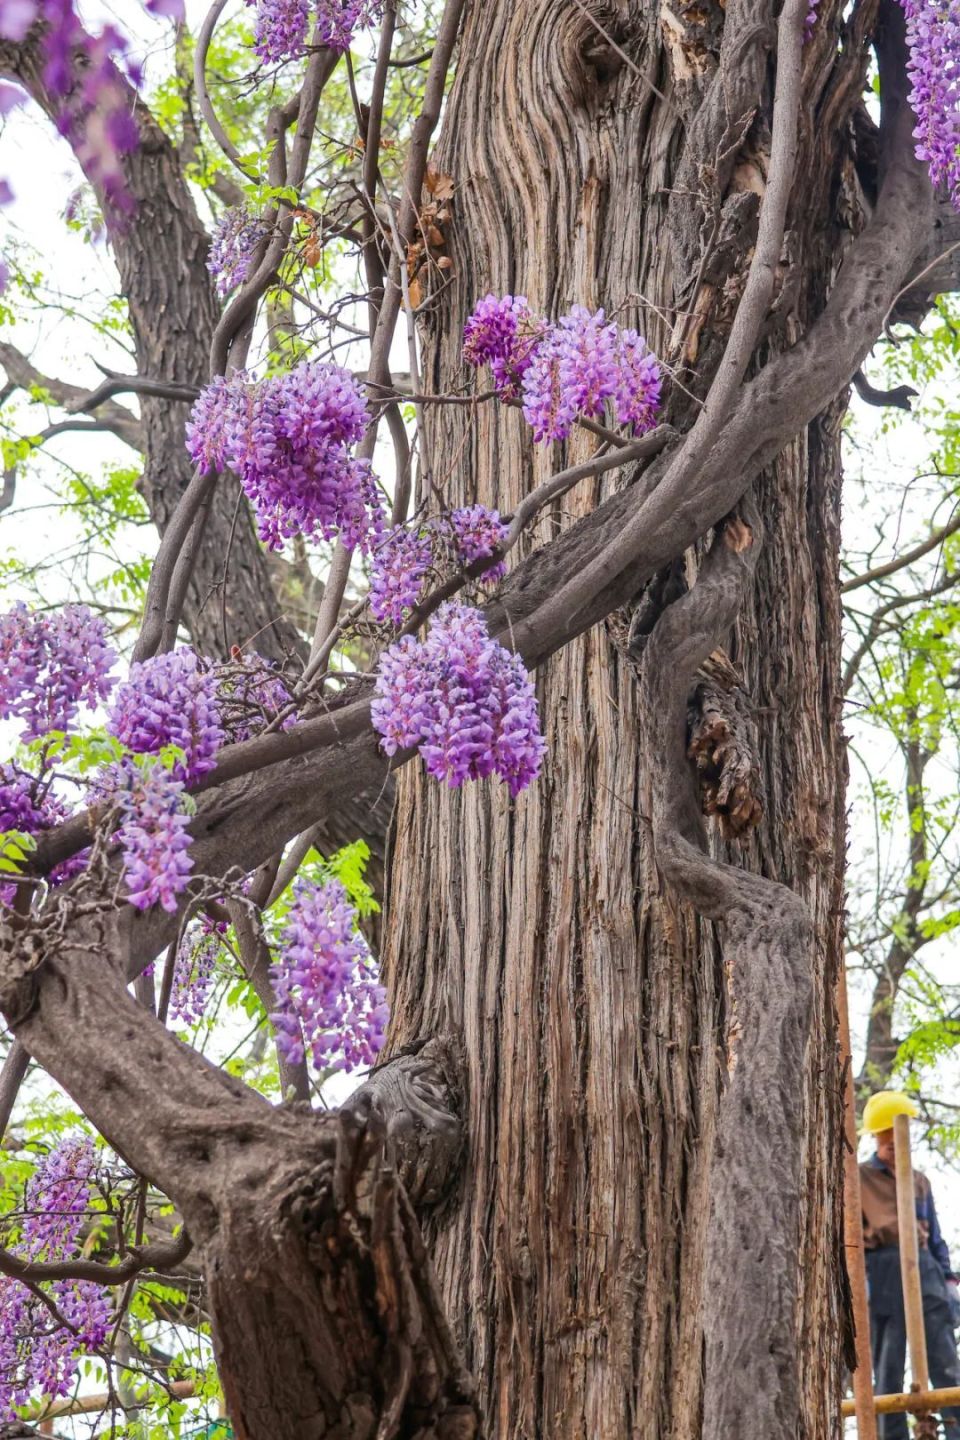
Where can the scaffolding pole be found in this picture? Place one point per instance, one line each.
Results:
(863, 1401)
(910, 1253)
(913, 1404)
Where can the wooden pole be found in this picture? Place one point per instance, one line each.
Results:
(93, 1404)
(913, 1404)
(909, 1254)
(853, 1234)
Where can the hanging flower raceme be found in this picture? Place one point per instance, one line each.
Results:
(153, 834)
(933, 40)
(404, 557)
(400, 563)
(475, 532)
(503, 333)
(328, 999)
(193, 973)
(170, 699)
(282, 27)
(38, 1355)
(29, 806)
(572, 369)
(463, 700)
(89, 75)
(233, 246)
(50, 665)
(289, 438)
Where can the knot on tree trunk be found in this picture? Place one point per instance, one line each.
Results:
(722, 743)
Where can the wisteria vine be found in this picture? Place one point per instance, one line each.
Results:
(38, 1354)
(329, 1002)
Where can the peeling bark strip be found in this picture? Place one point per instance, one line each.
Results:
(754, 1378)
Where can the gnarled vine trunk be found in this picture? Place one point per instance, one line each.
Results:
(596, 1010)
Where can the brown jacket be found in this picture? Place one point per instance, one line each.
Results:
(878, 1200)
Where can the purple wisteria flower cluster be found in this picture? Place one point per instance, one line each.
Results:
(282, 27)
(50, 665)
(170, 699)
(463, 700)
(933, 40)
(29, 806)
(153, 836)
(572, 369)
(289, 437)
(400, 564)
(503, 332)
(329, 1001)
(193, 972)
(36, 1354)
(233, 246)
(404, 557)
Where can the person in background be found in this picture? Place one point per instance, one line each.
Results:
(939, 1285)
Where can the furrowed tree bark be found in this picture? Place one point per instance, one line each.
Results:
(592, 999)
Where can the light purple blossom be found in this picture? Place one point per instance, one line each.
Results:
(288, 438)
(475, 532)
(574, 372)
(933, 40)
(16, 17)
(328, 999)
(170, 700)
(11, 98)
(193, 974)
(464, 701)
(153, 836)
(636, 398)
(573, 368)
(234, 244)
(50, 665)
(338, 20)
(280, 29)
(503, 333)
(400, 563)
(36, 1355)
(28, 805)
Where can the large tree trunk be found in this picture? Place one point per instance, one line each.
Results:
(595, 1008)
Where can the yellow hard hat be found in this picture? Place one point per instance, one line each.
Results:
(880, 1109)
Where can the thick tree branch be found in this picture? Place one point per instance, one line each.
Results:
(160, 1257)
(74, 398)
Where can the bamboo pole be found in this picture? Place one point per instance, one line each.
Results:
(909, 1253)
(863, 1406)
(913, 1404)
(93, 1404)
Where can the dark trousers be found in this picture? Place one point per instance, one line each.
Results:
(888, 1333)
